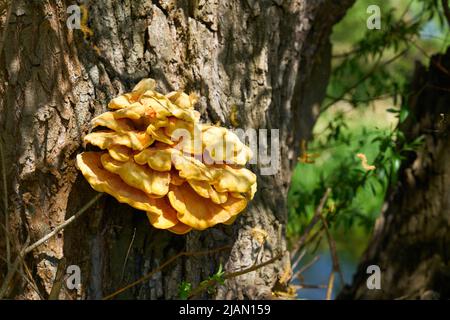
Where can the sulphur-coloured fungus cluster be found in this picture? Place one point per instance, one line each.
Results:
(157, 157)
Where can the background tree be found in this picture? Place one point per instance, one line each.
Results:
(402, 128)
(270, 59)
(411, 240)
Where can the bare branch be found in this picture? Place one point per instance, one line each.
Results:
(5, 206)
(299, 258)
(28, 248)
(128, 254)
(63, 225)
(305, 267)
(11, 272)
(330, 285)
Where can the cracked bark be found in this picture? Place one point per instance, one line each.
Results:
(269, 58)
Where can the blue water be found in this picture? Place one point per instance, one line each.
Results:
(319, 273)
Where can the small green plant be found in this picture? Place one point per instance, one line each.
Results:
(184, 290)
(210, 284)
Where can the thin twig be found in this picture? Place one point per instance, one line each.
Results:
(309, 286)
(330, 285)
(58, 281)
(10, 274)
(364, 78)
(334, 257)
(128, 254)
(63, 225)
(5, 206)
(356, 50)
(299, 258)
(346, 54)
(28, 248)
(230, 275)
(29, 278)
(408, 6)
(313, 222)
(423, 51)
(305, 267)
(333, 251)
(162, 266)
(366, 100)
(253, 268)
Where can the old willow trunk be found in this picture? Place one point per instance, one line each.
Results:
(266, 60)
(411, 242)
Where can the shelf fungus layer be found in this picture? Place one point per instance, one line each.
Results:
(155, 155)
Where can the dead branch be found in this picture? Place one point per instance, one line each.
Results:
(28, 248)
(62, 225)
(5, 206)
(128, 254)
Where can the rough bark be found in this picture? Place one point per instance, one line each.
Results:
(411, 241)
(269, 58)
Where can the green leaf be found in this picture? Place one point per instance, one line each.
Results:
(184, 290)
(218, 276)
(392, 110)
(404, 113)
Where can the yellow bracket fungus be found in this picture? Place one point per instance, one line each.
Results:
(181, 184)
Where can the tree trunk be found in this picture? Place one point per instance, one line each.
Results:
(271, 59)
(411, 242)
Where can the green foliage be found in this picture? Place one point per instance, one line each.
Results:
(209, 284)
(357, 194)
(379, 63)
(376, 65)
(184, 290)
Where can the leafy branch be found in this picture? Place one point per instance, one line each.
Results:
(219, 277)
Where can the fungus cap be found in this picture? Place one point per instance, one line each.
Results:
(193, 180)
